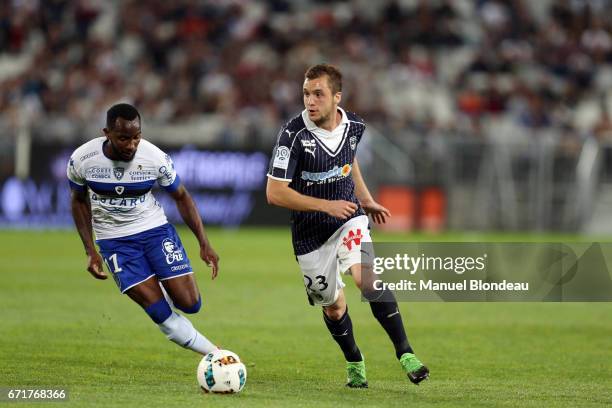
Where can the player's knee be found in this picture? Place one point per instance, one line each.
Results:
(334, 313)
(191, 308)
(370, 295)
(380, 296)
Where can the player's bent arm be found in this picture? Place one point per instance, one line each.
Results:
(280, 194)
(190, 214)
(81, 213)
(378, 212)
(361, 190)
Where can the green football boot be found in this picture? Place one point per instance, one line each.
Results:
(356, 374)
(415, 370)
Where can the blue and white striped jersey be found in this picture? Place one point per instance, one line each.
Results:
(120, 192)
(317, 163)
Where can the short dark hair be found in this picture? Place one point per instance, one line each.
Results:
(121, 110)
(333, 74)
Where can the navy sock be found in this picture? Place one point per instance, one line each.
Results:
(342, 332)
(389, 317)
(195, 308)
(159, 311)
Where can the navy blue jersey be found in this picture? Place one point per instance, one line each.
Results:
(314, 169)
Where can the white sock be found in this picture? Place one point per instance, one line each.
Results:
(179, 329)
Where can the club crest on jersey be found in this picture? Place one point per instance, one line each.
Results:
(119, 189)
(172, 252)
(118, 172)
(353, 142)
(352, 237)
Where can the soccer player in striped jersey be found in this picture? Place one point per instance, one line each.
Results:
(111, 179)
(314, 172)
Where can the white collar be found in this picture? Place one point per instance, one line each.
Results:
(311, 126)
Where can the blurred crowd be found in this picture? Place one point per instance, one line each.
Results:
(452, 66)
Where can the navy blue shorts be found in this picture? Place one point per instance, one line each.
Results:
(135, 258)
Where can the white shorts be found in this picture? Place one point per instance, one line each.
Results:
(322, 268)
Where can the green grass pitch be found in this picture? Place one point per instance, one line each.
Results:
(61, 328)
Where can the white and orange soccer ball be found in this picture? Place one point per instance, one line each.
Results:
(221, 371)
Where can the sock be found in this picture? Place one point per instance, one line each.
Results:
(342, 332)
(389, 317)
(159, 311)
(180, 330)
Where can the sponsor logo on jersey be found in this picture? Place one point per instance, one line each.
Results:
(352, 237)
(163, 170)
(94, 173)
(119, 202)
(172, 252)
(118, 172)
(142, 175)
(308, 143)
(353, 142)
(88, 155)
(328, 176)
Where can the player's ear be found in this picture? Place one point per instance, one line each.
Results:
(338, 97)
(106, 132)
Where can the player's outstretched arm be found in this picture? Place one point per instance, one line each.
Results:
(81, 213)
(378, 212)
(279, 193)
(191, 216)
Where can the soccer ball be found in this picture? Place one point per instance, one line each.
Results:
(221, 371)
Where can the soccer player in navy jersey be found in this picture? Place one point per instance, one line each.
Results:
(314, 172)
(111, 179)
